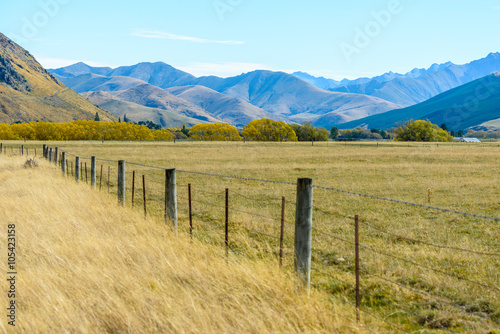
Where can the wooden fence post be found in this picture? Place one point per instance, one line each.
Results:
(226, 241)
(133, 187)
(356, 251)
(22, 150)
(44, 151)
(63, 163)
(1, 148)
(303, 230)
(190, 212)
(77, 169)
(93, 172)
(282, 231)
(144, 196)
(56, 156)
(50, 154)
(171, 198)
(121, 182)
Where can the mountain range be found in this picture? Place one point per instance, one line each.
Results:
(171, 97)
(415, 86)
(475, 104)
(237, 100)
(29, 93)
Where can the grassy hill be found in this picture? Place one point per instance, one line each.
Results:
(29, 93)
(460, 108)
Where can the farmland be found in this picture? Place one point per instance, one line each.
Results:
(436, 287)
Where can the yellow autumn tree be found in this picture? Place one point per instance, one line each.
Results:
(80, 130)
(268, 130)
(163, 135)
(215, 132)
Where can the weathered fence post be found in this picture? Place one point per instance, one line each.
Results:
(1, 148)
(303, 230)
(171, 198)
(93, 167)
(50, 154)
(121, 182)
(63, 163)
(22, 150)
(77, 169)
(44, 151)
(56, 155)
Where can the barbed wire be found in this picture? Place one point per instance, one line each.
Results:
(426, 243)
(407, 203)
(432, 269)
(333, 236)
(238, 177)
(463, 309)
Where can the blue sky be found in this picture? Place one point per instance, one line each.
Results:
(332, 38)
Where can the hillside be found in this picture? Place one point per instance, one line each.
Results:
(136, 112)
(90, 266)
(420, 84)
(226, 108)
(29, 93)
(154, 97)
(460, 108)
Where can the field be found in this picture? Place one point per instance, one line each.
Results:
(422, 269)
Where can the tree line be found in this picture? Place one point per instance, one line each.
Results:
(257, 130)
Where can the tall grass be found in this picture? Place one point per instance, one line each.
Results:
(87, 265)
(460, 176)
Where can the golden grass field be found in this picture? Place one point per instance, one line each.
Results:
(462, 177)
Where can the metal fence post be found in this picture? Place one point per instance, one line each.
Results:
(77, 169)
(356, 251)
(63, 163)
(56, 156)
(121, 182)
(93, 167)
(171, 198)
(303, 230)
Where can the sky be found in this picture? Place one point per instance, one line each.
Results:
(332, 38)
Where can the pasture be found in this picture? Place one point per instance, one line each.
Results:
(422, 269)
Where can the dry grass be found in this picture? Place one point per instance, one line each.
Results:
(461, 177)
(87, 265)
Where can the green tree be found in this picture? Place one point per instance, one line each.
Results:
(422, 131)
(460, 133)
(334, 132)
(96, 118)
(444, 127)
(184, 129)
(125, 119)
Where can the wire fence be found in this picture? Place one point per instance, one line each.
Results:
(262, 225)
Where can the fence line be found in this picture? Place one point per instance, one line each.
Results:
(317, 231)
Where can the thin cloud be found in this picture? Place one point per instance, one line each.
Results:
(166, 35)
